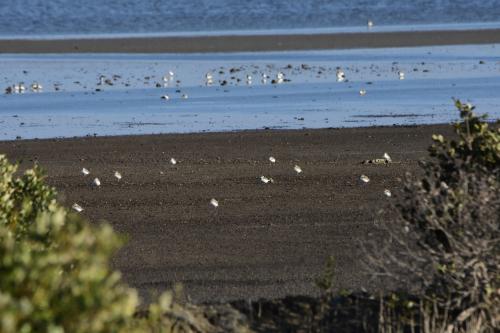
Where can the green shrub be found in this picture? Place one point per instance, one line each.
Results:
(54, 274)
(477, 148)
(445, 245)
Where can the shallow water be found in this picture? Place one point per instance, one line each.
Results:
(70, 105)
(63, 17)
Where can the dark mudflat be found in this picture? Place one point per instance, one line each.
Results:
(264, 240)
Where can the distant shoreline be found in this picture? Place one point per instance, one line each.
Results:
(251, 43)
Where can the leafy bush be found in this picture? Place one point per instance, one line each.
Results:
(477, 148)
(54, 274)
(447, 238)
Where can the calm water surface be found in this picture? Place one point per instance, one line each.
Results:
(62, 17)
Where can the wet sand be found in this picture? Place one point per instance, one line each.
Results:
(264, 240)
(242, 43)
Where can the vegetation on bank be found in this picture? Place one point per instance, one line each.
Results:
(444, 247)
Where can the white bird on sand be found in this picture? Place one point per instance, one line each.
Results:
(165, 97)
(209, 76)
(264, 179)
(96, 182)
(77, 207)
(214, 203)
(362, 92)
(272, 159)
(297, 169)
(387, 193)
(401, 75)
(184, 96)
(118, 175)
(364, 179)
(85, 172)
(387, 157)
(173, 161)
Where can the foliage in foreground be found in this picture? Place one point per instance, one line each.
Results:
(54, 272)
(446, 241)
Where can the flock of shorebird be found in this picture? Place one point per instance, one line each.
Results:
(214, 202)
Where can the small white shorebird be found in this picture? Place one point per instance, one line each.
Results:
(85, 172)
(364, 179)
(297, 169)
(19, 88)
(96, 182)
(370, 24)
(264, 78)
(173, 161)
(387, 157)
(118, 175)
(362, 92)
(102, 80)
(264, 179)
(168, 77)
(77, 207)
(36, 87)
(401, 75)
(272, 159)
(340, 75)
(184, 96)
(209, 79)
(387, 193)
(214, 203)
(165, 97)
(280, 77)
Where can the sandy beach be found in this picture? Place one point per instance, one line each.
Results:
(264, 240)
(245, 43)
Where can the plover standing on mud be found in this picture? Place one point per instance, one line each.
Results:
(118, 175)
(387, 193)
(364, 179)
(173, 161)
(297, 169)
(214, 203)
(77, 207)
(96, 182)
(264, 179)
(85, 172)
(272, 159)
